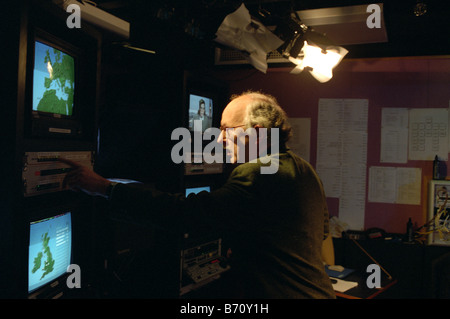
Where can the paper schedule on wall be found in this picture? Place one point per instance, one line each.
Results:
(395, 185)
(394, 135)
(301, 136)
(428, 134)
(342, 155)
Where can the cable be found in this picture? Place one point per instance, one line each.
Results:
(436, 224)
(373, 259)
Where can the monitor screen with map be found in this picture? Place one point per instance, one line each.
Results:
(60, 88)
(53, 80)
(50, 249)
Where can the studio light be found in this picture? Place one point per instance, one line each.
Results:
(318, 59)
(309, 50)
(293, 39)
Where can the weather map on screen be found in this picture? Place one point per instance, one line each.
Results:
(53, 80)
(49, 250)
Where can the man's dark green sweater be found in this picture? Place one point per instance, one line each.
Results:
(276, 224)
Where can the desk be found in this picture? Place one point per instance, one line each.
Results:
(412, 265)
(361, 291)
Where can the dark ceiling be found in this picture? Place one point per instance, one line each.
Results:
(196, 21)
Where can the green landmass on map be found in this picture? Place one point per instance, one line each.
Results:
(37, 262)
(49, 262)
(63, 74)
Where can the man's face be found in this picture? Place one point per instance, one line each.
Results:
(232, 125)
(202, 109)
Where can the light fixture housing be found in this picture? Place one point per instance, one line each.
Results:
(309, 50)
(319, 56)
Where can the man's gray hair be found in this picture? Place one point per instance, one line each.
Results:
(264, 110)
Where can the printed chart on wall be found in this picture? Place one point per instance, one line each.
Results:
(395, 185)
(428, 134)
(300, 141)
(407, 134)
(342, 155)
(394, 135)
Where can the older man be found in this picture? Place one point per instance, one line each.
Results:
(275, 223)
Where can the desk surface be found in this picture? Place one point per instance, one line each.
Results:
(362, 291)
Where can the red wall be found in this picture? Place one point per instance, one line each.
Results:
(388, 82)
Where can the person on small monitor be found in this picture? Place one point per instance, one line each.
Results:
(275, 223)
(201, 121)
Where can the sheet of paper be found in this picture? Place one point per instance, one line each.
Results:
(394, 135)
(300, 142)
(342, 155)
(352, 202)
(331, 179)
(382, 184)
(396, 185)
(343, 285)
(409, 182)
(428, 134)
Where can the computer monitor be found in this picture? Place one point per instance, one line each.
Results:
(204, 98)
(196, 190)
(200, 112)
(49, 250)
(53, 80)
(60, 87)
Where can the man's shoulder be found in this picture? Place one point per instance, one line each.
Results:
(254, 166)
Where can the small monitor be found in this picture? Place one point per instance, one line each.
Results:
(53, 80)
(60, 86)
(50, 250)
(200, 113)
(196, 190)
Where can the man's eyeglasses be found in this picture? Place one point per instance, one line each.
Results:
(223, 129)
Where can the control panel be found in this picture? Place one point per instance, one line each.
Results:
(195, 165)
(42, 172)
(201, 264)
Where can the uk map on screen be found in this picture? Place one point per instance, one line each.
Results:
(49, 250)
(53, 80)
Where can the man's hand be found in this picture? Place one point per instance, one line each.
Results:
(84, 179)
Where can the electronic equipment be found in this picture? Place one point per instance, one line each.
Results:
(203, 168)
(98, 17)
(54, 70)
(200, 112)
(42, 173)
(60, 85)
(197, 166)
(196, 190)
(201, 264)
(203, 100)
(438, 225)
(49, 255)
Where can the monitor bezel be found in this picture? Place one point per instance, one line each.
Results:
(64, 47)
(202, 94)
(55, 282)
(39, 124)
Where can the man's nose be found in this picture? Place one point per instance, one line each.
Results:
(221, 138)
